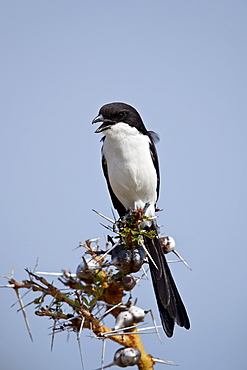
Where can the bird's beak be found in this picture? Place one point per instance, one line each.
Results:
(99, 118)
(106, 123)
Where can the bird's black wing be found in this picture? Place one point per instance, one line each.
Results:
(117, 204)
(154, 138)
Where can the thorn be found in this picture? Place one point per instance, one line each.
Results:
(114, 331)
(113, 214)
(155, 325)
(26, 305)
(36, 265)
(7, 286)
(143, 245)
(81, 326)
(105, 367)
(107, 227)
(106, 218)
(78, 334)
(139, 331)
(53, 334)
(164, 361)
(7, 277)
(181, 259)
(110, 309)
(94, 240)
(144, 274)
(53, 273)
(103, 353)
(107, 252)
(148, 328)
(24, 314)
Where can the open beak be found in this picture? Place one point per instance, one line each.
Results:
(105, 125)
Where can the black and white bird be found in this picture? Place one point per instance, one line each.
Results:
(131, 168)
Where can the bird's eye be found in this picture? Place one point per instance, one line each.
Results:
(120, 115)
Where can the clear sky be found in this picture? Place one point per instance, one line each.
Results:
(182, 64)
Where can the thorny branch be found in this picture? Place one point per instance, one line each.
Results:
(95, 284)
(73, 322)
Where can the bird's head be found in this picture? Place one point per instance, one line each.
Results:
(113, 113)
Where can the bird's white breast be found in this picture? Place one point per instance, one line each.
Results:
(130, 167)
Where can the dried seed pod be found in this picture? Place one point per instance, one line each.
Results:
(129, 282)
(138, 255)
(127, 357)
(127, 260)
(167, 244)
(123, 320)
(137, 313)
(87, 270)
(121, 258)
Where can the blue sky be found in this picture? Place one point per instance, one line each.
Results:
(182, 64)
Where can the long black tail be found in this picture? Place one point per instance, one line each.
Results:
(171, 307)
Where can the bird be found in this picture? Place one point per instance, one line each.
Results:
(131, 169)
